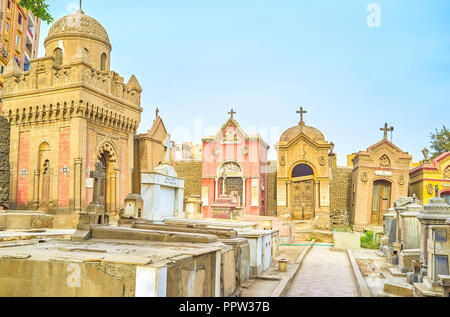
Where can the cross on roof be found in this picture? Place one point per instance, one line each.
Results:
(302, 112)
(169, 148)
(386, 130)
(232, 113)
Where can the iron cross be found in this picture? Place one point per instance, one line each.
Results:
(98, 175)
(302, 112)
(232, 113)
(386, 130)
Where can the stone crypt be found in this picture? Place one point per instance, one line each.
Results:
(68, 112)
(303, 177)
(235, 164)
(380, 176)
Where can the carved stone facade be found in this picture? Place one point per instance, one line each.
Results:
(4, 161)
(429, 175)
(379, 177)
(65, 117)
(234, 163)
(303, 176)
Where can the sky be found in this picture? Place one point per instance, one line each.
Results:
(352, 64)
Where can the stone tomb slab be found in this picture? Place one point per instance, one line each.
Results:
(17, 220)
(127, 269)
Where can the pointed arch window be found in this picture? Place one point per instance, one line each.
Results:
(58, 56)
(103, 62)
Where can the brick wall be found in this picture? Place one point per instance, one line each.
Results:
(90, 164)
(191, 172)
(123, 176)
(24, 173)
(64, 164)
(340, 189)
(272, 188)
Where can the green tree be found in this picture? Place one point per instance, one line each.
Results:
(39, 8)
(440, 142)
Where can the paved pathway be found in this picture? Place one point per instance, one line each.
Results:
(324, 274)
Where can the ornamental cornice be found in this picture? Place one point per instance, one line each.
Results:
(67, 110)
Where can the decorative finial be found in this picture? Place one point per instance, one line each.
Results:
(301, 112)
(425, 153)
(232, 113)
(157, 112)
(386, 130)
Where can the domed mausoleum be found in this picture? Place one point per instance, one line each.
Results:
(303, 181)
(75, 31)
(67, 113)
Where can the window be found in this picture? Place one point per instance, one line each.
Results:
(9, 4)
(103, 62)
(58, 56)
(17, 40)
(20, 19)
(7, 27)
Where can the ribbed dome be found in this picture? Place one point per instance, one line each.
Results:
(293, 132)
(79, 24)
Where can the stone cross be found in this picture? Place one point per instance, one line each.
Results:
(301, 112)
(232, 113)
(169, 147)
(386, 130)
(98, 175)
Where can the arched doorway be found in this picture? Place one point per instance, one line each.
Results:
(108, 193)
(231, 180)
(446, 196)
(302, 189)
(381, 201)
(44, 180)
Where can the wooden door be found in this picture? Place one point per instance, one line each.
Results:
(303, 200)
(381, 201)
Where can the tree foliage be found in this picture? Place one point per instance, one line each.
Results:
(440, 142)
(39, 8)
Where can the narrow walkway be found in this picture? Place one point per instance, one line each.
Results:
(324, 273)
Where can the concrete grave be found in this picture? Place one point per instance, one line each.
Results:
(24, 219)
(435, 247)
(162, 192)
(346, 240)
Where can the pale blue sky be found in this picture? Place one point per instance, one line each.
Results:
(196, 59)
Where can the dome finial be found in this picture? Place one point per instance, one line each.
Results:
(301, 112)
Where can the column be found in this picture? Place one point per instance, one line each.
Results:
(36, 189)
(289, 194)
(244, 191)
(216, 189)
(317, 183)
(113, 193)
(77, 189)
